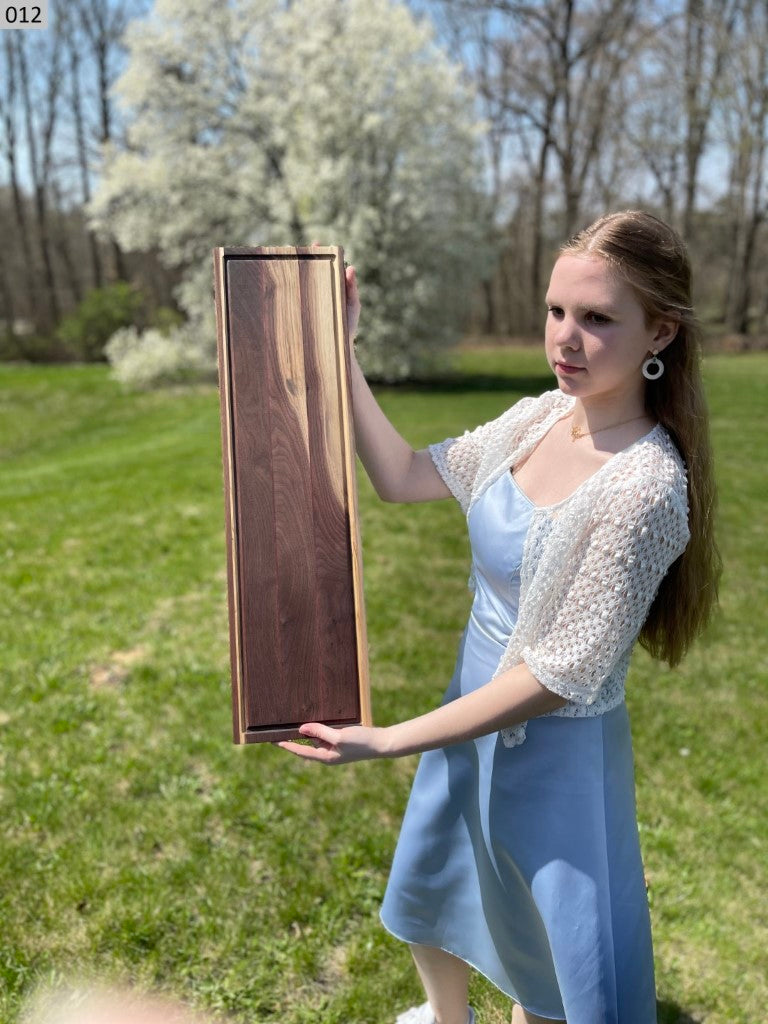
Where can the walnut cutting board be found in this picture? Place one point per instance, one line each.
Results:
(298, 647)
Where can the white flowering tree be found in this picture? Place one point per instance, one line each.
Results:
(254, 123)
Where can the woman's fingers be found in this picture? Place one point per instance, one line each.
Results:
(338, 746)
(325, 740)
(325, 754)
(353, 299)
(353, 302)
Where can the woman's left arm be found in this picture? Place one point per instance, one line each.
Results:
(512, 697)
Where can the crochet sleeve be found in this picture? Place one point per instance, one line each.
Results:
(457, 459)
(595, 615)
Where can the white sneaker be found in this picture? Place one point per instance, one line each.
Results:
(417, 1015)
(423, 1015)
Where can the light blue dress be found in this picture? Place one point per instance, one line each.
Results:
(525, 861)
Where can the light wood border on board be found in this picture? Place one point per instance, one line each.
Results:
(220, 257)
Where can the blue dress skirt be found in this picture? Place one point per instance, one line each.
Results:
(525, 861)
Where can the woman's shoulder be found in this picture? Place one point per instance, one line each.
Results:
(515, 421)
(650, 479)
(533, 409)
(657, 456)
(548, 400)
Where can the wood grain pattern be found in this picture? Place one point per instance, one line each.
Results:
(298, 646)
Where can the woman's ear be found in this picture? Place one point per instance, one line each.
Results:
(666, 332)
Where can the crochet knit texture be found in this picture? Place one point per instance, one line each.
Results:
(592, 563)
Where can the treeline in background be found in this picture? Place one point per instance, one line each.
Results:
(449, 146)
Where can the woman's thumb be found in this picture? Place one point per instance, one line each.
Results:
(318, 731)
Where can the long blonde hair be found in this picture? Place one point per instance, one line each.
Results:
(653, 260)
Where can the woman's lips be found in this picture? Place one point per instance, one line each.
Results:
(568, 369)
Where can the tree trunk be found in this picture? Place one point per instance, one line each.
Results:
(39, 178)
(8, 310)
(20, 216)
(694, 45)
(82, 155)
(61, 242)
(750, 166)
(717, 20)
(490, 319)
(103, 24)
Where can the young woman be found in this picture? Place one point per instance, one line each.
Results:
(590, 516)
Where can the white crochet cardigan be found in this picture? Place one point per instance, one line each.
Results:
(592, 563)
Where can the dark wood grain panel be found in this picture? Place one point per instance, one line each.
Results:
(257, 569)
(279, 302)
(333, 551)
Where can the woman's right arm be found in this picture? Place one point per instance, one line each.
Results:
(397, 472)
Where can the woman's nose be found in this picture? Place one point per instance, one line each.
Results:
(567, 332)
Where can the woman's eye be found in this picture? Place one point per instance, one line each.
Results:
(554, 310)
(598, 318)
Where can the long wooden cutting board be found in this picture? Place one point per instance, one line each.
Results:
(298, 647)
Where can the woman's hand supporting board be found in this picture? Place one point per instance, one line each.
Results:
(512, 697)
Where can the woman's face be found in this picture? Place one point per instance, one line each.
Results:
(596, 339)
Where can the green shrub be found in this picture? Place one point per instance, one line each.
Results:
(165, 319)
(30, 348)
(103, 311)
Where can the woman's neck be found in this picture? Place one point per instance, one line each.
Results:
(592, 416)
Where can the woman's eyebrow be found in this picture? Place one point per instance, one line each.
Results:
(585, 307)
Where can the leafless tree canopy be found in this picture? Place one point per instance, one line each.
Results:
(588, 105)
(56, 111)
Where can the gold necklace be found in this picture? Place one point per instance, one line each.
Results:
(577, 432)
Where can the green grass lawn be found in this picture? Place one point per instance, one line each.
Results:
(138, 842)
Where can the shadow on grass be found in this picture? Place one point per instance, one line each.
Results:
(671, 1013)
(452, 383)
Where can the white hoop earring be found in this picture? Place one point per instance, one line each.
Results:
(653, 367)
